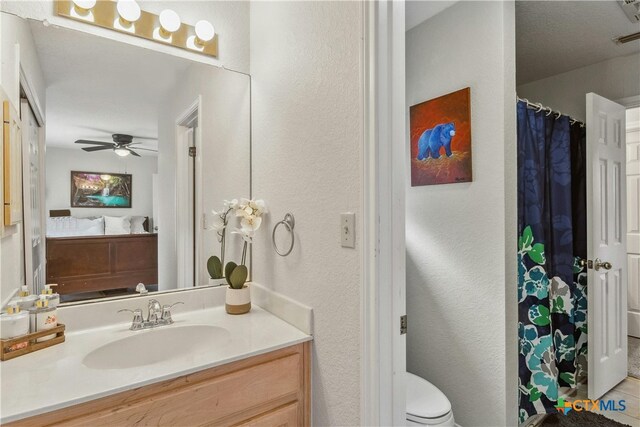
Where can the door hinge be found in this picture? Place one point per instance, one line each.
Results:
(192, 151)
(403, 324)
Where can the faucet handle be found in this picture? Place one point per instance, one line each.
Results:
(137, 322)
(166, 312)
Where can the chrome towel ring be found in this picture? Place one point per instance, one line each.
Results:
(289, 222)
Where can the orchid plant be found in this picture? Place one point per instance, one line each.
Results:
(250, 213)
(219, 225)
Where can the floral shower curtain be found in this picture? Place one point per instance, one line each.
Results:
(552, 239)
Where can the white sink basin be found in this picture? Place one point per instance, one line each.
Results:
(157, 345)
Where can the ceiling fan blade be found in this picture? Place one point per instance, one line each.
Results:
(133, 152)
(102, 147)
(85, 141)
(146, 149)
(152, 138)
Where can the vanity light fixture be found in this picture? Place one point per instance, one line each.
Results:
(83, 6)
(122, 152)
(126, 16)
(129, 12)
(204, 32)
(169, 23)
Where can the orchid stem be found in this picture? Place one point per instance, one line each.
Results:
(244, 253)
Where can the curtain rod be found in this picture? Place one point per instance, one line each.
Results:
(539, 107)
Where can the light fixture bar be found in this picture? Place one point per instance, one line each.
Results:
(628, 38)
(105, 14)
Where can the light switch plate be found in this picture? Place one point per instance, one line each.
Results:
(348, 230)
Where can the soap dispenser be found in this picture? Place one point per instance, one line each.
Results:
(43, 317)
(13, 322)
(53, 298)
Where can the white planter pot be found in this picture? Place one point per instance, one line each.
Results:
(238, 301)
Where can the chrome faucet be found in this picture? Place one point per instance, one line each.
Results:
(155, 311)
(159, 315)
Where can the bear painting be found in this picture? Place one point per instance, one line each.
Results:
(441, 140)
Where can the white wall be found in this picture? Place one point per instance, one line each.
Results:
(16, 50)
(307, 145)
(461, 250)
(225, 155)
(16, 32)
(61, 161)
(230, 19)
(614, 79)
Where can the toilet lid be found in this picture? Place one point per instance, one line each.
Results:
(425, 400)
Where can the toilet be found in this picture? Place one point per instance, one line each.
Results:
(426, 404)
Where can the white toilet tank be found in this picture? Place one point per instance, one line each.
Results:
(426, 404)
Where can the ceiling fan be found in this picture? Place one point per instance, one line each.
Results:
(121, 145)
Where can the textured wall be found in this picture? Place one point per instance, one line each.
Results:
(230, 19)
(307, 142)
(614, 79)
(460, 274)
(61, 161)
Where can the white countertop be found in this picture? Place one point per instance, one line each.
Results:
(55, 377)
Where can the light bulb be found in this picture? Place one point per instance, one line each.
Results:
(169, 22)
(122, 152)
(204, 32)
(129, 11)
(84, 5)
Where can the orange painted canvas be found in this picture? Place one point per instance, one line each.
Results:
(441, 139)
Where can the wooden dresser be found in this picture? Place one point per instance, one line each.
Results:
(271, 389)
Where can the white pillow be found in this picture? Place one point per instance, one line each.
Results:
(90, 227)
(117, 225)
(137, 224)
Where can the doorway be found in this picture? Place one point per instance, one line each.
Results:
(188, 171)
(585, 83)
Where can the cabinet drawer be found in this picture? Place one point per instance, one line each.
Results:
(285, 416)
(209, 400)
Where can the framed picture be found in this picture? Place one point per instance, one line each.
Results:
(440, 132)
(100, 190)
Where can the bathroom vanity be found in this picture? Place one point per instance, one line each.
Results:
(270, 389)
(208, 368)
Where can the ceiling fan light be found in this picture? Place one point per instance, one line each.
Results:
(122, 152)
(129, 11)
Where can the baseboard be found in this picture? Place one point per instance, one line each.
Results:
(289, 310)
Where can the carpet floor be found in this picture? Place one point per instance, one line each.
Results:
(634, 357)
(579, 419)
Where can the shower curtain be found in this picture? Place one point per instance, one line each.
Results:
(552, 239)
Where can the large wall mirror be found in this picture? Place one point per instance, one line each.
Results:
(130, 151)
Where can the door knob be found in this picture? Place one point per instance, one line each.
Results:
(598, 264)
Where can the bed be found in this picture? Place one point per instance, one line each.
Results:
(94, 262)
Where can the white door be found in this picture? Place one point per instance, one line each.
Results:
(32, 196)
(633, 219)
(606, 219)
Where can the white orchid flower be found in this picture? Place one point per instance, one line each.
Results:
(232, 204)
(245, 233)
(217, 223)
(259, 206)
(244, 211)
(251, 223)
